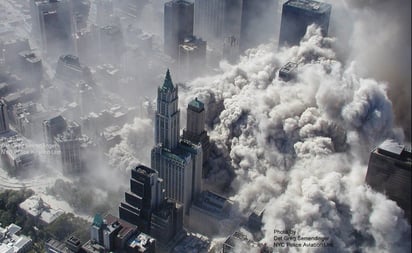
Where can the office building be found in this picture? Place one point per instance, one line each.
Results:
(16, 156)
(11, 242)
(288, 71)
(85, 41)
(69, 69)
(111, 43)
(28, 118)
(37, 209)
(86, 98)
(53, 127)
(70, 148)
(193, 242)
(141, 243)
(31, 68)
(216, 20)
(192, 57)
(178, 163)
(54, 246)
(167, 121)
(297, 15)
(214, 210)
(4, 119)
(231, 49)
(81, 10)
(178, 24)
(117, 235)
(255, 222)
(239, 241)
(144, 197)
(259, 19)
(176, 169)
(167, 222)
(53, 26)
(389, 172)
(10, 47)
(195, 127)
(146, 207)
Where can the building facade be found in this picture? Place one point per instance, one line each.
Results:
(178, 24)
(69, 143)
(144, 197)
(195, 128)
(192, 57)
(167, 222)
(297, 15)
(53, 127)
(4, 119)
(178, 163)
(389, 172)
(53, 26)
(167, 121)
(216, 20)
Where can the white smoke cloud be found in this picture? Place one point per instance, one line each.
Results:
(134, 148)
(299, 147)
(376, 34)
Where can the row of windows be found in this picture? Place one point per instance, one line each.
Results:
(174, 180)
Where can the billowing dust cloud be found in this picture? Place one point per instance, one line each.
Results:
(300, 148)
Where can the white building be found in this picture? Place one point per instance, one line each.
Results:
(10, 242)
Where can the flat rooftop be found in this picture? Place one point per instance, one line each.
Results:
(309, 5)
(395, 150)
(179, 2)
(196, 104)
(214, 204)
(289, 67)
(30, 56)
(193, 243)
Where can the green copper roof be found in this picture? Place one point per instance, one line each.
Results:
(197, 104)
(98, 220)
(168, 84)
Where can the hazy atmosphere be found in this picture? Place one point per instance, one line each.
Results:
(208, 116)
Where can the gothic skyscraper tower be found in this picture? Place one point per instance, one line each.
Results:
(168, 115)
(179, 163)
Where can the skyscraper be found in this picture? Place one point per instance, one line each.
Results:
(144, 197)
(178, 24)
(192, 57)
(146, 207)
(53, 26)
(167, 122)
(297, 15)
(216, 20)
(231, 49)
(177, 163)
(195, 127)
(4, 120)
(53, 127)
(167, 222)
(389, 172)
(70, 149)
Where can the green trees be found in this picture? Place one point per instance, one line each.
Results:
(64, 226)
(9, 204)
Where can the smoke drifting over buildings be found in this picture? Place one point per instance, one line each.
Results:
(295, 146)
(388, 58)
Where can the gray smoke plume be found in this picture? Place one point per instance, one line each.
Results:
(134, 148)
(300, 148)
(376, 34)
